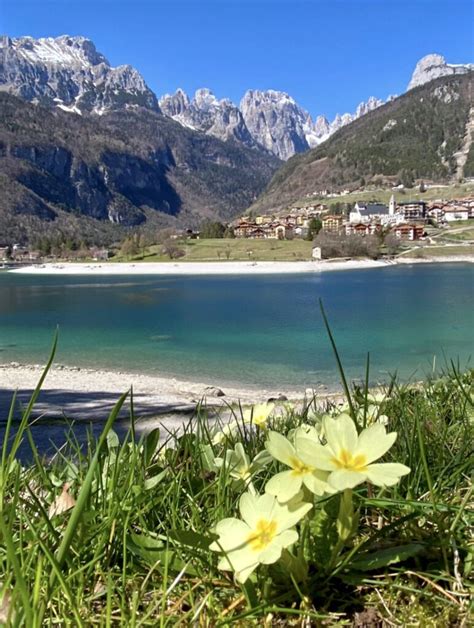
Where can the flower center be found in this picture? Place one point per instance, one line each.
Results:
(345, 460)
(299, 467)
(265, 532)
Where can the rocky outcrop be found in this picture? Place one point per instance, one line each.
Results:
(276, 122)
(205, 113)
(434, 66)
(269, 119)
(68, 72)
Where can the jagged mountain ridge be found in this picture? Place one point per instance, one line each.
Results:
(420, 135)
(270, 119)
(70, 73)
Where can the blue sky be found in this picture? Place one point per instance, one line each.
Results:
(328, 54)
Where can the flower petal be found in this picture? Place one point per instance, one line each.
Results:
(316, 482)
(287, 515)
(386, 473)
(280, 448)
(341, 433)
(284, 485)
(374, 442)
(271, 553)
(345, 478)
(315, 455)
(232, 535)
(242, 562)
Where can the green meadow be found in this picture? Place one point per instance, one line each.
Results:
(225, 249)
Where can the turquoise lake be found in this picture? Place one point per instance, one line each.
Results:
(262, 331)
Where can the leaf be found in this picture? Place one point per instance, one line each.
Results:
(62, 503)
(149, 446)
(112, 440)
(191, 539)
(155, 480)
(323, 534)
(383, 558)
(154, 553)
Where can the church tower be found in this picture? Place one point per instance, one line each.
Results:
(392, 205)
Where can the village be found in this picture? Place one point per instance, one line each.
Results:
(407, 220)
(408, 223)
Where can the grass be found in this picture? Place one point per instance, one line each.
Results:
(465, 235)
(442, 251)
(133, 550)
(238, 249)
(383, 194)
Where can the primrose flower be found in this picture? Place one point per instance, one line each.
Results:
(241, 469)
(348, 456)
(266, 529)
(258, 414)
(286, 484)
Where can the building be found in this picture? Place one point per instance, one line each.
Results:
(4, 251)
(363, 228)
(333, 222)
(244, 228)
(316, 252)
(455, 212)
(409, 232)
(368, 213)
(412, 210)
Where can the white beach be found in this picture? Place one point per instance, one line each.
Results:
(223, 268)
(192, 268)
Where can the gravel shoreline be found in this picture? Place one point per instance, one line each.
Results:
(225, 268)
(83, 393)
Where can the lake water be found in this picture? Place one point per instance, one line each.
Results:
(262, 331)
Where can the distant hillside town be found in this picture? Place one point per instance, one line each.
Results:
(406, 220)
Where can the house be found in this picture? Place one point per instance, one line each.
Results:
(100, 254)
(258, 234)
(4, 251)
(260, 220)
(190, 234)
(455, 212)
(412, 210)
(316, 252)
(244, 228)
(409, 232)
(363, 228)
(283, 232)
(333, 222)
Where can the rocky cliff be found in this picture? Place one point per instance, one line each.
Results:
(434, 66)
(124, 168)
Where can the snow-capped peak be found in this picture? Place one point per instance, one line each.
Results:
(64, 50)
(68, 72)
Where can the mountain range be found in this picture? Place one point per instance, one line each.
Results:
(91, 141)
(69, 72)
(427, 133)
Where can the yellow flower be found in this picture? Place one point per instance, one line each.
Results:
(349, 457)
(258, 414)
(265, 530)
(287, 484)
(239, 466)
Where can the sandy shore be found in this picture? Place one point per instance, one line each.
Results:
(223, 268)
(193, 268)
(90, 394)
